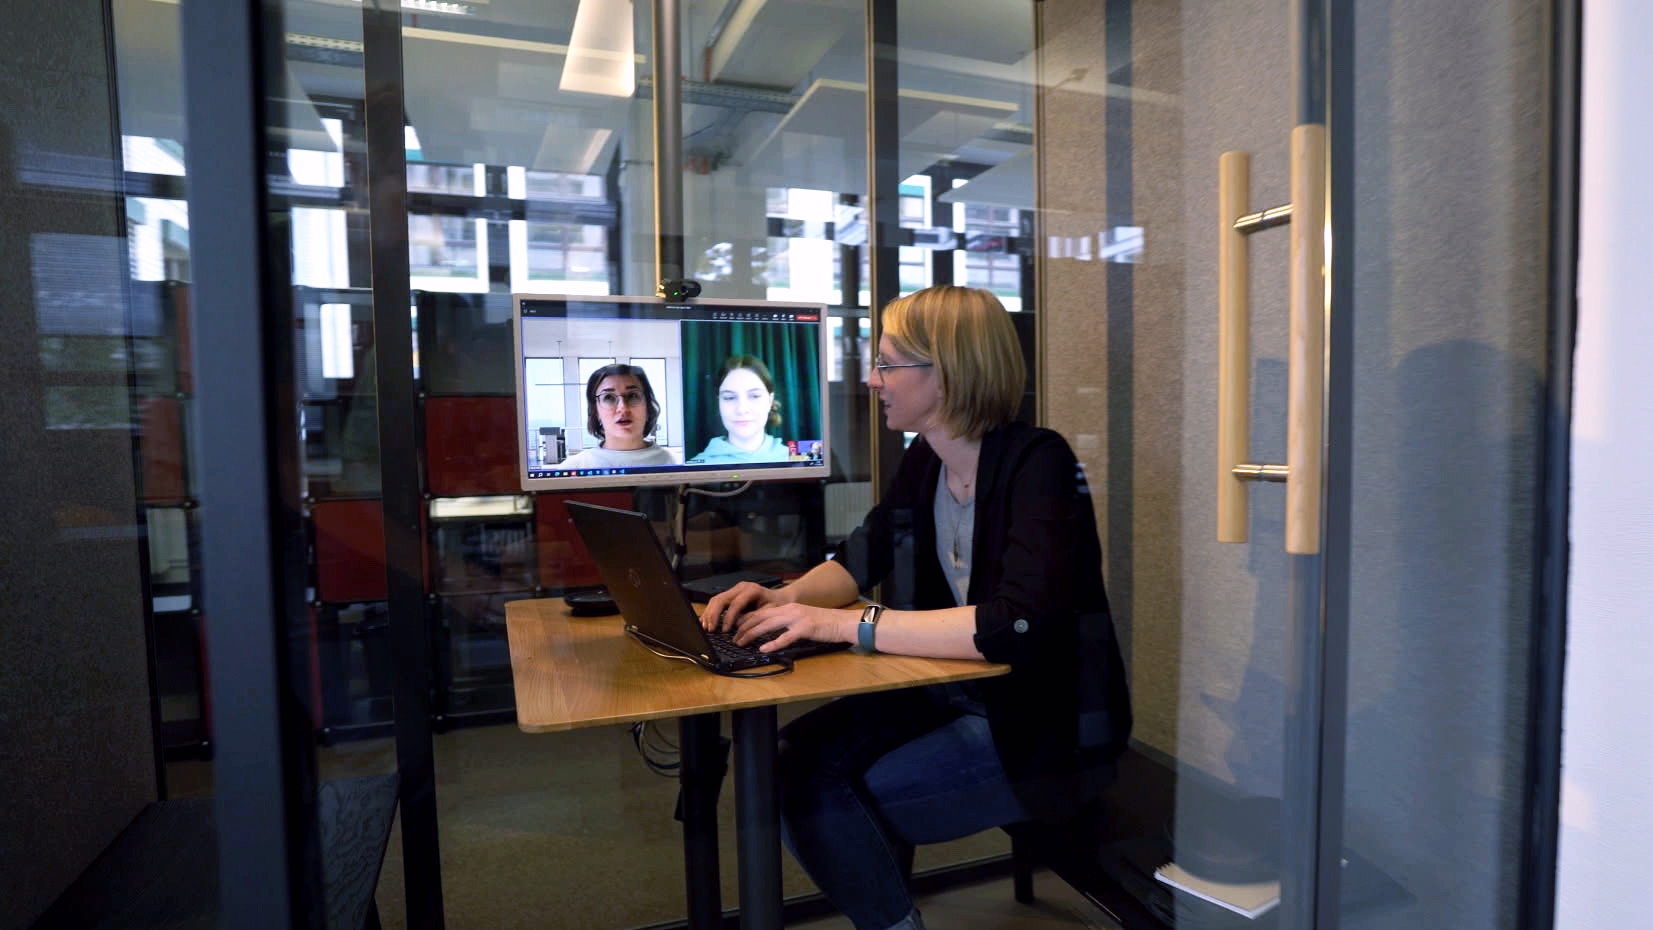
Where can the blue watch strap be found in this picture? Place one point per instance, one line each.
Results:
(865, 630)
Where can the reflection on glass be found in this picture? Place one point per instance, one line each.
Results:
(338, 416)
(169, 557)
(320, 168)
(527, 184)
(82, 407)
(158, 238)
(448, 253)
(445, 179)
(356, 666)
(559, 258)
(484, 553)
(464, 343)
(147, 155)
(986, 260)
(337, 355)
(477, 677)
(321, 247)
(801, 263)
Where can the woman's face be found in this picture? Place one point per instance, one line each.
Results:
(744, 403)
(911, 397)
(623, 409)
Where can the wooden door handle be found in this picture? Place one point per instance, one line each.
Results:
(1306, 345)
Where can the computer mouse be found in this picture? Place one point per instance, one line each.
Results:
(589, 602)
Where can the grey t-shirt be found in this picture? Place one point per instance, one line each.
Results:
(598, 457)
(955, 549)
(955, 538)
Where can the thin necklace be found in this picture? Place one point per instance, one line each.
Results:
(966, 484)
(958, 514)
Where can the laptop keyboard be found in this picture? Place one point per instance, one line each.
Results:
(735, 655)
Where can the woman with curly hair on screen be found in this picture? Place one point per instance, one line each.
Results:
(621, 411)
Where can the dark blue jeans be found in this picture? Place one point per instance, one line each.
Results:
(866, 778)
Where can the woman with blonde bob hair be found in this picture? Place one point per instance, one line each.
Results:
(966, 338)
(986, 544)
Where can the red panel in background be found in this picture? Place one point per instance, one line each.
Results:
(162, 441)
(564, 561)
(471, 446)
(350, 550)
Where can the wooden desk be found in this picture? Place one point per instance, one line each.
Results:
(573, 672)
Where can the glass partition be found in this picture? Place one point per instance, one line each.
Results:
(1434, 315)
(962, 115)
(1062, 154)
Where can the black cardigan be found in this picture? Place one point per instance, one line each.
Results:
(1063, 713)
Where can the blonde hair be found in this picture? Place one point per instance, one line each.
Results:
(967, 335)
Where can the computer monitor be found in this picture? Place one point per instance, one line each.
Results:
(719, 390)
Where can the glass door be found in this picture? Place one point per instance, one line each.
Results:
(1330, 671)
(1292, 258)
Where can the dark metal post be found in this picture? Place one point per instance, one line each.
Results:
(942, 261)
(757, 818)
(1318, 716)
(1548, 647)
(668, 140)
(698, 783)
(245, 442)
(698, 735)
(398, 409)
(883, 208)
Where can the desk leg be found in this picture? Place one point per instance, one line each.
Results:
(757, 818)
(699, 737)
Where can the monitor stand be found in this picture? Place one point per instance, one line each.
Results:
(680, 529)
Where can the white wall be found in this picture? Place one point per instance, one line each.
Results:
(1607, 753)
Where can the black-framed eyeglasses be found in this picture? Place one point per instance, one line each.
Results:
(610, 401)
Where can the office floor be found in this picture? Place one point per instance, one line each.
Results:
(572, 831)
(992, 906)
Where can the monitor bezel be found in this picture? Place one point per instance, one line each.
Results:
(681, 474)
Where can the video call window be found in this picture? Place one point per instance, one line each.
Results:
(683, 392)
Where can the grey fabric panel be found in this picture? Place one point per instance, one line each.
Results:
(74, 693)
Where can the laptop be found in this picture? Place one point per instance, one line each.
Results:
(658, 612)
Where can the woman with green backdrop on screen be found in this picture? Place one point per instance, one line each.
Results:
(747, 404)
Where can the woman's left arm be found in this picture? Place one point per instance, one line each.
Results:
(949, 633)
(938, 634)
(1040, 559)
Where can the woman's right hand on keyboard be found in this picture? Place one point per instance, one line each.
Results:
(722, 609)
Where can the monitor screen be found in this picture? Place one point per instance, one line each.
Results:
(621, 391)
